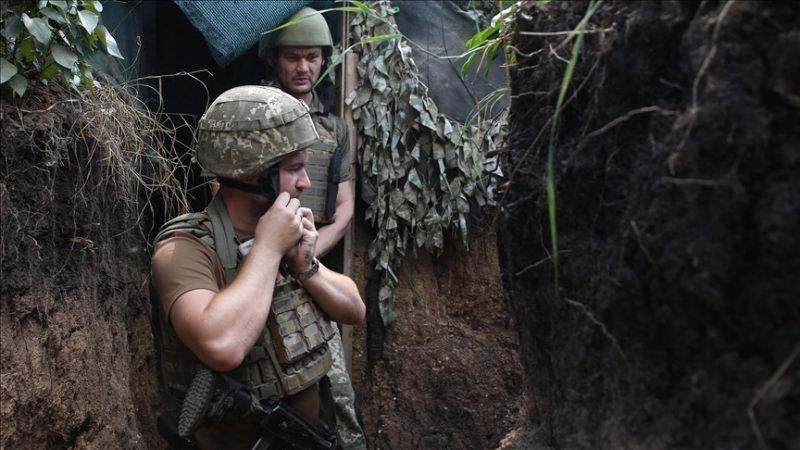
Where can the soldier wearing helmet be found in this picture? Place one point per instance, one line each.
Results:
(240, 288)
(295, 56)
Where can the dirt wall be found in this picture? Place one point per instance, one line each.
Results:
(674, 324)
(447, 374)
(75, 341)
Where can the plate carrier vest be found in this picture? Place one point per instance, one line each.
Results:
(292, 353)
(323, 166)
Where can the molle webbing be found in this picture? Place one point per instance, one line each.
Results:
(323, 167)
(295, 323)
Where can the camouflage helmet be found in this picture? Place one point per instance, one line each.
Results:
(248, 129)
(311, 31)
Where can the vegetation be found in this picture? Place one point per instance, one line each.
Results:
(427, 172)
(486, 42)
(51, 40)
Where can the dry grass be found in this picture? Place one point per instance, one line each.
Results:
(107, 140)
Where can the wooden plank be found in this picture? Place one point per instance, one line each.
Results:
(349, 80)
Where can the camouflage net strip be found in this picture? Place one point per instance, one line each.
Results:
(427, 172)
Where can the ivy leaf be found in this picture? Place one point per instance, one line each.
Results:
(7, 70)
(108, 40)
(53, 14)
(38, 28)
(64, 57)
(88, 20)
(50, 68)
(12, 26)
(19, 84)
(59, 3)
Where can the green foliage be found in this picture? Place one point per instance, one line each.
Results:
(484, 45)
(551, 150)
(50, 40)
(426, 171)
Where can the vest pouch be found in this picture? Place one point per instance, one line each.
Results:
(296, 325)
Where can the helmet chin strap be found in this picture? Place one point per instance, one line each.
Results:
(268, 187)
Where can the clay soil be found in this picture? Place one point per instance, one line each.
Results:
(675, 320)
(75, 340)
(447, 374)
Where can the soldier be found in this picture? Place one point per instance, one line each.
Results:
(295, 57)
(239, 284)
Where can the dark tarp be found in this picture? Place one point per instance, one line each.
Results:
(442, 28)
(231, 28)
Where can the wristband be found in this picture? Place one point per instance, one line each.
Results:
(303, 276)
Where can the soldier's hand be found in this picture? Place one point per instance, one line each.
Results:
(281, 227)
(301, 256)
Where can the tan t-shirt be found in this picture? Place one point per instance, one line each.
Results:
(182, 263)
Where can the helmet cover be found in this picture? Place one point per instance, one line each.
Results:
(248, 129)
(311, 30)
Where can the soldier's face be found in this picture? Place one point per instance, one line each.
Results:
(293, 175)
(299, 67)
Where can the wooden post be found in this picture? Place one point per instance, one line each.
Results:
(348, 80)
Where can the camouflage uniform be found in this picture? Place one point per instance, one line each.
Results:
(333, 134)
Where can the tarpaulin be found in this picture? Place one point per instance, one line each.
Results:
(442, 28)
(232, 27)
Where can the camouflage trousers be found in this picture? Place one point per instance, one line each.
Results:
(348, 430)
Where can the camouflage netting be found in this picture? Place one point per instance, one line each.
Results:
(428, 173)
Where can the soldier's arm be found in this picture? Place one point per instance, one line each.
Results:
(220, 328)
(337, 295)
(331, 234)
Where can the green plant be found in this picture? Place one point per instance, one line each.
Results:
(550, 182)
(485, 43)
(50, 40)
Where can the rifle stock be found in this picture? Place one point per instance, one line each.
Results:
(213, 396)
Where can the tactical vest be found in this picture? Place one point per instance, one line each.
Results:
(323, 168)
(292, 353)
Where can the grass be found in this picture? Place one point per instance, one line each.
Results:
(110, 143)
(578, 34)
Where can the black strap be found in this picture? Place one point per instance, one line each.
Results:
(269, 187)
(334, 178)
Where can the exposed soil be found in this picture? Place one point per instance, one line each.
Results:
(675, 321)
(449, 376)
(76, 344)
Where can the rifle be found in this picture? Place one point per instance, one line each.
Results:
(213, 396)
